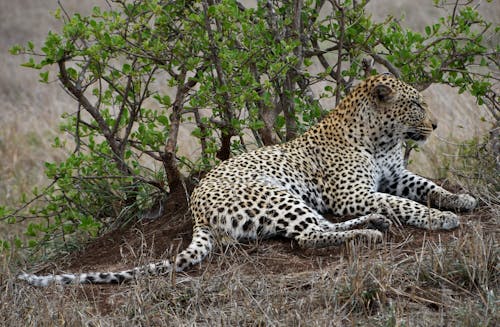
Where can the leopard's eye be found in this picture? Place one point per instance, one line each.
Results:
(417, 104)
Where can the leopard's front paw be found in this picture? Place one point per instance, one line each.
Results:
(443, 220)
(370, 235)
(378, 222)
(459, 202)
(465, 202)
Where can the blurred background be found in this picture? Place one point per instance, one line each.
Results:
(30, 111)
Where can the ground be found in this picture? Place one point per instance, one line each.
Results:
(414, 278)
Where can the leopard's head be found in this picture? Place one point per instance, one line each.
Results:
(402, 107)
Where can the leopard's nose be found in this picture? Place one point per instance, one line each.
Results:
(434, 125)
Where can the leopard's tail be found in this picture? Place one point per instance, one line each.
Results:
(200, 247)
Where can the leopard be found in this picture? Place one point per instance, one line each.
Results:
(349, 164)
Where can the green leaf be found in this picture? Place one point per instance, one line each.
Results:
(30, 63)
(4, 245)
(31, 230)
(162, 119)
(436, 27)
(44, 77)
(15, 49)
(126, 68)
(57, 13)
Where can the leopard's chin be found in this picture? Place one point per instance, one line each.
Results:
(417, 136)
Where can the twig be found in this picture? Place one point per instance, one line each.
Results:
(386, 63)
(338, 74)
(24, 206)
(225, 149)
(95, 113)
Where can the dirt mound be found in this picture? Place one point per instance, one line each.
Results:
(172, 230)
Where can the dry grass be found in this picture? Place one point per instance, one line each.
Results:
(414, 278)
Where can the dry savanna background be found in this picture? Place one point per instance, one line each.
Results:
(413, 278)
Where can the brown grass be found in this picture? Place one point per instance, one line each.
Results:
(414, 278)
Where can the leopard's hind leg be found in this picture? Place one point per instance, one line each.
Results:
(292, 217)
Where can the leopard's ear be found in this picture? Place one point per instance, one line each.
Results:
(383, 93)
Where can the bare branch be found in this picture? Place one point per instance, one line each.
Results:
(203, 131)
(386, 63)
(338, 74)
(225, 149)
(367, 66)
(94, 112)
(124, 101)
